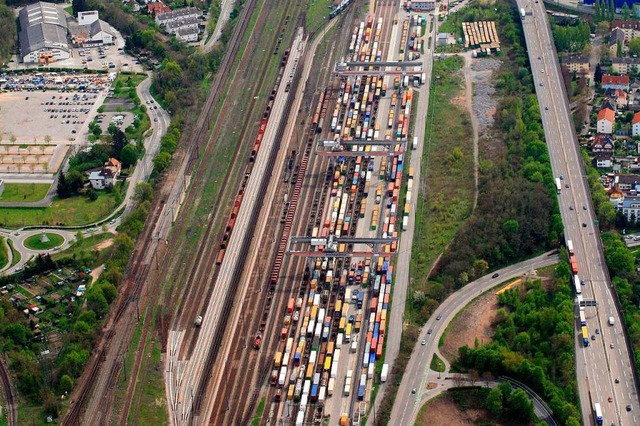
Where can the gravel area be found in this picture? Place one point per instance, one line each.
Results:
(484, 104)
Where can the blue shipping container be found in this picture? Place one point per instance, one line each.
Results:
(360, 393)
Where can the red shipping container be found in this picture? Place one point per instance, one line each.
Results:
(380, 347)
(374, 304)
(290, 305)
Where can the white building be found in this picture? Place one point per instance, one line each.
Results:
(177, 15)
(43, 33)
(91, 31)
(606, 121)
(188, 23)
(187, 34)
(88, 17)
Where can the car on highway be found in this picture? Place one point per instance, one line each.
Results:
(610, 399)
(584, 207)
(611, 345)
(561, 177)
(439, 317)
(496, 275)
(593, 337)
(541, 84)
(584, 225)
(628, 407)
(155, 119)
(424, 342)
(597, 331)
(413, 390)
(430, 331)
(570, 207)
(617, 380)
(566, 185)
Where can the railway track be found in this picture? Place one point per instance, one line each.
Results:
(9, 394)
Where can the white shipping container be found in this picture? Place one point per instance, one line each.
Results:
(347, 296)
(334, 369)
(285, 359)
(300, 417)
(331, 386)
(384, 373)
(313, 356)
(339, 339)
(336, 354)
(283, 375)
(318, 331)
(316, 300)
(405, 223)
(322, 394)
(371, 370)
(354, 346)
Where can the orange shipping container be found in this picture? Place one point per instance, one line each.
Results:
(290, 305)
(386, 298)
(380, 347)
(374, 304)
(374, 345)
(383, 326)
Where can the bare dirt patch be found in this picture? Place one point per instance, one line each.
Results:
(473, 324)
(444, 411)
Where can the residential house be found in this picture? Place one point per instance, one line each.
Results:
(603, 160)
(624, 65)
(187, 23)
(630, 208)
(576, 63)
(630, 28)
(107, 176)
(606, 121)
(187, 34)
(627, 183)
(607, 102)
(620, 97)
(602, 144)
(157, 7)
(616, 39)
(615, 82)
(635, 124)
(177, 15)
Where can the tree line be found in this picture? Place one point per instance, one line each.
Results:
(8, 35)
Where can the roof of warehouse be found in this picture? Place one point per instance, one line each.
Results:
(42, 13)
(40, 36)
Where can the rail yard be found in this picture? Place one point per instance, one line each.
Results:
(285, 297)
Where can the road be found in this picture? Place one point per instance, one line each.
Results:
(607, 357)
(418, 372)
(160, 121)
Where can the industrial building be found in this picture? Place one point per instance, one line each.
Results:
(90, 30)
(43, 33)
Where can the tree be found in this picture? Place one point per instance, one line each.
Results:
(520, 407)
(79, 6)
(75, 181)
(66, 383)
(96, 131)
(494, 401)
(129, 155)
(96, 300)
(119, 141)
(626, 12)
(161, 162)
(144, 192)
(92, 194)
(109, 291)
(634, 47)
(63, 187)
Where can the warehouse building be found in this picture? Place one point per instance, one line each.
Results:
(43, 33)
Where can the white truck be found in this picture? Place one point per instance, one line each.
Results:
(612, 321)
(522, 13)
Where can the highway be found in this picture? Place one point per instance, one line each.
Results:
(607, 357)
(418, 373)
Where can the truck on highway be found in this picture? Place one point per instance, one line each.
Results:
(522, 13)
(570, 246)
(558, 185)
(597, 413)
(583, 320)
(612, 321)
(576, 284)
(585, 336)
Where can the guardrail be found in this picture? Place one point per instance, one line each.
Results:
(550, 420)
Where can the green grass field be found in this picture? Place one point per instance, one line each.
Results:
(15, 258)
(437, 364)
(4, 253)
(125, 82)
(448, 167)
(62, 212)
(24, 192)
(82, 246)
(34, 242)
(318, 13)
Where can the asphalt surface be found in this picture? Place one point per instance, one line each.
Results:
(607, 357)
(160, 121)
(418, 371)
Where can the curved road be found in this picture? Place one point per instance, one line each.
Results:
(407, 404)
(160, 121)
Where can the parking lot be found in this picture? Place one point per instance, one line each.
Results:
(37, 117)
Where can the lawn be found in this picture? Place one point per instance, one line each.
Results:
(4, 253)
(82, 246)
(437, 364)
(447, 167)
(15, 258)
(34, 242)
(24, 192)
(62, 212)
(318, 13)
(125, 82)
